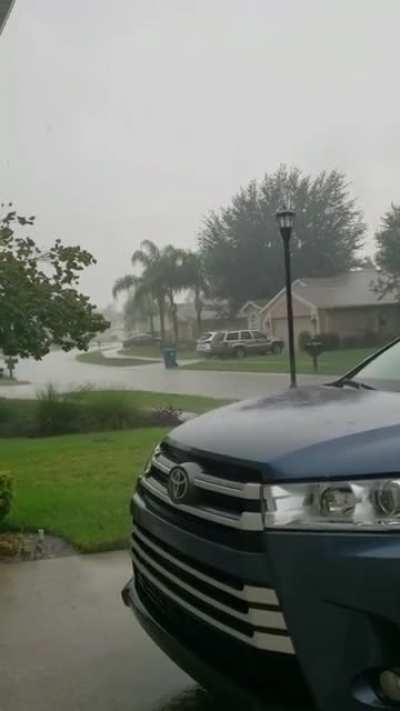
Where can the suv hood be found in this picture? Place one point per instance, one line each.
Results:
(317, 432)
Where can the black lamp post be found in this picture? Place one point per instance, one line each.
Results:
(285, 218)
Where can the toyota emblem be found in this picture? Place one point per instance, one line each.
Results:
(178, 485)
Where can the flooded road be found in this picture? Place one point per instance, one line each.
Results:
(64, 371)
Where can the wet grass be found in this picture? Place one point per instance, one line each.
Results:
(77, 486)
(330, 363)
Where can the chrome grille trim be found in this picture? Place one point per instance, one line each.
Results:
(249, 593)
(237, 489)
(258, 618)
(246, 521)
(260, 640)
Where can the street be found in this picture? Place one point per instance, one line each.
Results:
(68, 643)
(64, 371)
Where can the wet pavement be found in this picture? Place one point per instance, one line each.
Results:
(68, 644)
(63, 370)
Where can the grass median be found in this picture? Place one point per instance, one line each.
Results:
(330, 363)
(98, 358)
(153, 351)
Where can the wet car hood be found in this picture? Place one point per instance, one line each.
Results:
(309, 432)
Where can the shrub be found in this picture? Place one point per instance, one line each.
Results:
(109, 411)
(56, 413)
(166, 416)
(304, 338)
(16, 418)
(330, 341)
(367, 339)
(6, 494)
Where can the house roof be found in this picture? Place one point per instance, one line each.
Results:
(354, 288)
(257, 304)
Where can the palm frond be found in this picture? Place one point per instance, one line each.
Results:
(124, 284)
(151, 248)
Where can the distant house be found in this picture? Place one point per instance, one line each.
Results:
(211, 320)
(346, 304)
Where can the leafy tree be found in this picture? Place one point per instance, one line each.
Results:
(39, 302)
(241, 246)
(388, 253)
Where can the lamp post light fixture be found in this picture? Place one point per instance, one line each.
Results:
(285, 218)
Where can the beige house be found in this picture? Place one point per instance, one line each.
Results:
(345, 304)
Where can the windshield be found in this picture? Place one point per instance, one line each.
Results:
(383, 372)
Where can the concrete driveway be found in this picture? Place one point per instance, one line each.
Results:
(68, 644)
(66, 372)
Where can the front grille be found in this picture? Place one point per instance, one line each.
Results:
(234, 503)
(250, 614)
(215, 465)
(200, 527)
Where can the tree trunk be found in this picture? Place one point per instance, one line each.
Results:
(174, 316)
(151, 319)
(161, 311)
(198, 308)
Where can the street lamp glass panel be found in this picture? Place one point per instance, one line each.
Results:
(285, 218)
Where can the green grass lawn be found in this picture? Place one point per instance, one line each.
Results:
(77, 486)
(153, 351)
(98, 358)
(330, 362)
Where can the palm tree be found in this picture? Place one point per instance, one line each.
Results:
(172, 260)
(195, 279)
(140, 306)
(150, 259)
(162, 278)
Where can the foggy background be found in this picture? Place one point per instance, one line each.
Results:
(130, 120)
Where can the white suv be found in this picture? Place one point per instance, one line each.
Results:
(238, 343)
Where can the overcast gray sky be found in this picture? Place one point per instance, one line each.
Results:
(131, 119)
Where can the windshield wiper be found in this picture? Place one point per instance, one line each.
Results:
(356, 384)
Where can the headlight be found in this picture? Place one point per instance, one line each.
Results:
(369, 504)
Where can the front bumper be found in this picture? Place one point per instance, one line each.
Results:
(199, 669)
(341, 597)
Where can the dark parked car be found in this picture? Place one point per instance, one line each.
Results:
(140, 339)
(238, 344)
(266, 546)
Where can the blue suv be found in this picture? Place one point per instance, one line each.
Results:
(266, 544)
